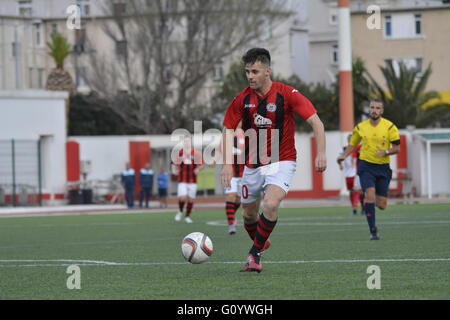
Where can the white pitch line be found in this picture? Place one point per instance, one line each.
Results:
(220, 223)
(109, 263)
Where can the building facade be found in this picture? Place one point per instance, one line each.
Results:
(413, 32)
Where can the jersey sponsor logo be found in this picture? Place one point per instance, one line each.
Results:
(187, 160)
(262, 122)
(249, 106)
(271, 107)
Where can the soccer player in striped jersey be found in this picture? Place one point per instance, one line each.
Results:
(380, 139)
(266, 110)
(188, 164)
(233, 192)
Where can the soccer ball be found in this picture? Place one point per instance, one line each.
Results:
(196, 247)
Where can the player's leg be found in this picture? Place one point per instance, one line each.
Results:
(350, 181)
(230, 204)
(128, 198)
(268, 218)
(357, 187)
(237, 199)
(367, 176)
(277, 179)
(230, 210)
(191, 195)
(250, 214)
(141, 197)
(251, 191)
(182, 199)
(382, 186)
(148, 195)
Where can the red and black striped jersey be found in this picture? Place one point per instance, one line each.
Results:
(238, 154)
(187, 164)
(268, 122)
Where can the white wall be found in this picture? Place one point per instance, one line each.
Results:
(32, 114)
(109, 154)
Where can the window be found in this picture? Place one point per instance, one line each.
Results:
(38, 34)
(410, 63)
(30, 79)
(81, 77)
(40, 78)
(15, 49)
(419, 66)
(119, 8)
(80, 40)
(387, 26)
(121, 48)
(25, 8)
(403, 25)
(333, 16)
(54, 28)
(418, 24)
(335, 54)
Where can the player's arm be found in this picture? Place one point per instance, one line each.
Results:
(394, 138)
(227, 156)
(348, 151)
(319, 135)
(305, 109)
(199, 162)
(354, 141)
(232, 118)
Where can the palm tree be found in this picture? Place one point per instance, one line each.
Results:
(361, 88)
(59, 79)
(406, 94)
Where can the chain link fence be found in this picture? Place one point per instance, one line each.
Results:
(20, 173)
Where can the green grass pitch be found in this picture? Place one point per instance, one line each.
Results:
(316, 253)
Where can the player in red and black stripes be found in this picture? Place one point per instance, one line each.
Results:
(188, 164)
(266, 110)
(233, 193)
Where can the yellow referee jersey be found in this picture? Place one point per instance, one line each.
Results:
(372, 137)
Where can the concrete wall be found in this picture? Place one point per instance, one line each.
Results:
(34, 115)
(108, 156)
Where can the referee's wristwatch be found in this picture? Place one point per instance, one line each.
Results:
(386, 152)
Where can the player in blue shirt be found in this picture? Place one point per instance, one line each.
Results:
(129, 183)
(163, 184)
(146, 182)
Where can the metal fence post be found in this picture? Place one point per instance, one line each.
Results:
(39, 172)
(13, 173)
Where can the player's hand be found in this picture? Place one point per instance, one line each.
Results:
(381, 153)
(340, 159)
(227, 174)
(321, 162)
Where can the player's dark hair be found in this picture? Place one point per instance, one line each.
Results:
(257, 54)
(378, 101)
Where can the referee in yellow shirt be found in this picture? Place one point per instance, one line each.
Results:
(377, 135)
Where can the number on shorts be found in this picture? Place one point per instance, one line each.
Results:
(244, 192)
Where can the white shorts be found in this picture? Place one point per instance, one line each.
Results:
(255, 180)
(357, 184)
(235, 186)
(187, 189)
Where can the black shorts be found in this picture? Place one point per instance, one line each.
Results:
(162, 192)
(376, 176)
